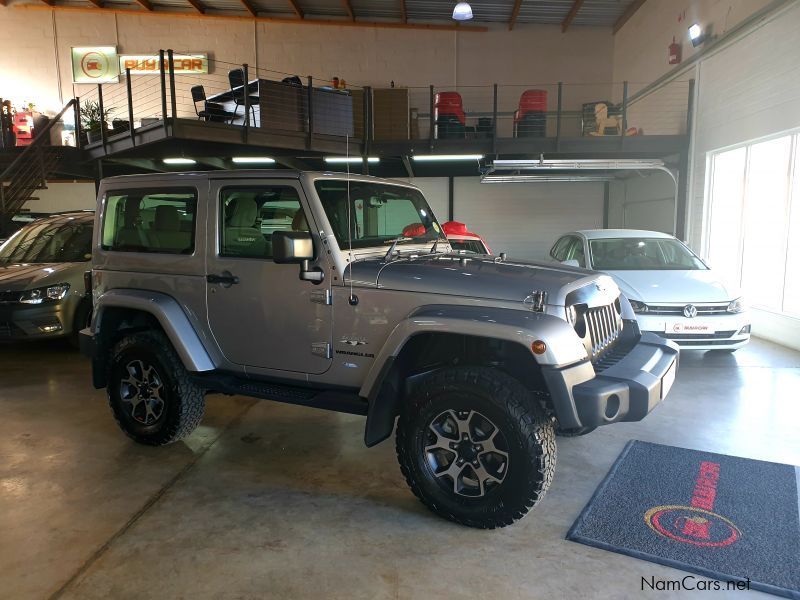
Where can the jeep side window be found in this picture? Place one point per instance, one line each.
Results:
(158, 220)
(250, 215)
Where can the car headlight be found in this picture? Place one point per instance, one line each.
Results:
(52, 293)
(736, 306)
(638, 307)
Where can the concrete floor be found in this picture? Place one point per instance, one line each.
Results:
(267, 500)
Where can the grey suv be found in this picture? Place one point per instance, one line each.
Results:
(342, 293)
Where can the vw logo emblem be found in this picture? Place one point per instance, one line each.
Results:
(690, 311)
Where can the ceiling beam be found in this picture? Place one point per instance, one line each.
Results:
(629, 12)
(514, 14)
(403, 11)
(145, 4)
(349, 8)
(3, 2)
(97, 3)
(49, 2)
(196, 5)
(279, 20)
(571, 15)
(297, 10)
(249, 7)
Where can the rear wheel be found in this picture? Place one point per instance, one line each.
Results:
(149, 390)
(475, 447)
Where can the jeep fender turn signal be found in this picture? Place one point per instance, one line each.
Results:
(538, 347)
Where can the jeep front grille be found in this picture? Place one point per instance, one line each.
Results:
(604, 326)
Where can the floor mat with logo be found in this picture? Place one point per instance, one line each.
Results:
(726, 518)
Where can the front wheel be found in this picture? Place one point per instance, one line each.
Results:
(476, 447)
(153, 399)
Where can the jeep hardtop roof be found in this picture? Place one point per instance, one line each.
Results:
(251, 174)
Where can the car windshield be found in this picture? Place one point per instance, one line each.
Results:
(379, 213)
(47, 241)
(642, 254)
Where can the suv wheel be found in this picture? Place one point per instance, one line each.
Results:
(475, 446)
(149, 390)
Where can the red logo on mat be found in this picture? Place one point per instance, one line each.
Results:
(696, 524)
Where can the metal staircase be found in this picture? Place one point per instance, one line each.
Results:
(29, 171)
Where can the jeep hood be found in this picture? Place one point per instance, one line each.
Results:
(17, 277)
(475, 277)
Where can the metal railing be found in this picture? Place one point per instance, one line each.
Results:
(29, 170)
(310, 107)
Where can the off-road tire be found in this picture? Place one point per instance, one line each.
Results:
(528, 432)
(183, 401)
(574, 432)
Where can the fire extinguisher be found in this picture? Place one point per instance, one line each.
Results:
(674, 52)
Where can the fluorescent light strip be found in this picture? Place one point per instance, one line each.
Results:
(179, 161)
(253, 160)
(587, 164)
(435, 157)
(339, 160)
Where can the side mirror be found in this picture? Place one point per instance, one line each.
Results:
(570, 262)
(296, 247)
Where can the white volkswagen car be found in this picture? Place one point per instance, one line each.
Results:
(672, 291)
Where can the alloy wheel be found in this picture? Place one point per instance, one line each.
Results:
(142, 391)
(466, 452)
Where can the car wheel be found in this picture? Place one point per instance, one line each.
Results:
(476, 447)
(149, 390)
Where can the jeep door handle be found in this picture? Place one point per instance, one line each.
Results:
(226, 279)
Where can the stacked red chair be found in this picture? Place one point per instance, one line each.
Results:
(448, 114)
(530, 119)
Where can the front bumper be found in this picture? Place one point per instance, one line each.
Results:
(625, 391)
(725, 331)
(32, 322)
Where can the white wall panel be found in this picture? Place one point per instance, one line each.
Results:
(525, 219)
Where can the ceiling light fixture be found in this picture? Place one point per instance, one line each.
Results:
(341, 160)
(462, 12)
(549, 178)
(253, 160)
(696, 35)
(433, 157)
(180, 161)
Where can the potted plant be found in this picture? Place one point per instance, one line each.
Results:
(93, 120)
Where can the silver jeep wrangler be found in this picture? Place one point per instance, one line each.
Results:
(341, 292)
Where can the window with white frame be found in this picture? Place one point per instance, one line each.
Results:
(753, 230)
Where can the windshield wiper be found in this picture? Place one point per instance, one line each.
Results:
(395, 241)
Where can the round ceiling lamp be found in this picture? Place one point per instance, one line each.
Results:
(462, 11)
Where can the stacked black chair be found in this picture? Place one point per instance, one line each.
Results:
(240, 92)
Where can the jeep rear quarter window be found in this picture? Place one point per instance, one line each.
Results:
(150, 220)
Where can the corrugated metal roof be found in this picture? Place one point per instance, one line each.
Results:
(592, 12)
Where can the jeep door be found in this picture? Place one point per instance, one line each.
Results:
(260, 313)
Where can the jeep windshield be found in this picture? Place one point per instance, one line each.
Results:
(378, 214)
(642, 254)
